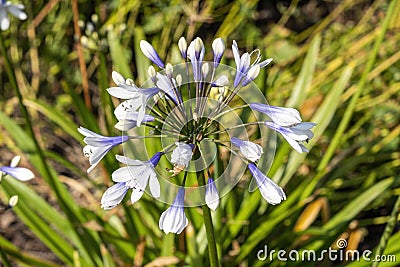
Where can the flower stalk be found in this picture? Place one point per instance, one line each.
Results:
(212, 245)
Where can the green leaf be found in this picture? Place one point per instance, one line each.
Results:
(304, 79)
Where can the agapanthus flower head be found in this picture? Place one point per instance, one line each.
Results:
(188, 111)
(15, 10)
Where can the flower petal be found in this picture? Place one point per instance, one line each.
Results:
(174, 220)
(123, 92)
(19, 173)
(17, 12)
(121, 175)
(269, 190)
(212, 197)
(149, 51)
(113, 196)
(129, 161)
(118, 78)
(154, 185)
(4, 20)
(137, 194)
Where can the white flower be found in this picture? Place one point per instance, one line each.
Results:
(22, 174)
(243, 63)
(250, 150)
(218, 46)
(15, 10)
(294, 135)
(167, 85)
(212, 197)
(279, 115)
(195, 53)
(182, 154)
(137, 97)
(19, 173)
(221, 81)
(113, 195)
(149, 51)
(98, 145)
(140, 173)
(174, 220)
(135, 176)
(13, 201)
(182, 45)
(251, 75)
(15, 161)
(269, 190)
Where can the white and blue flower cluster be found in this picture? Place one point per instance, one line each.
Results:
(169, 98)
(15, 10)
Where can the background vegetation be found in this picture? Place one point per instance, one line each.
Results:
(336, 61)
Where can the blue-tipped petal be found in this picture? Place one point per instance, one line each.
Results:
(149, 51)
(19, 173)
(211, 197)
(174, 220)
(269, 190)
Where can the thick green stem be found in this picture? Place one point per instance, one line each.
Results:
(212, 247)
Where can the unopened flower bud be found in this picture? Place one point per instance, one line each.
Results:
(205, 69)
(251, 75)
(169, 70)
(182, 45)
(221, 81)
(178, 79)
(149, 51)
(152, 73)
(95, 18)
(13, 201)
(218, 47)
(198, 45)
